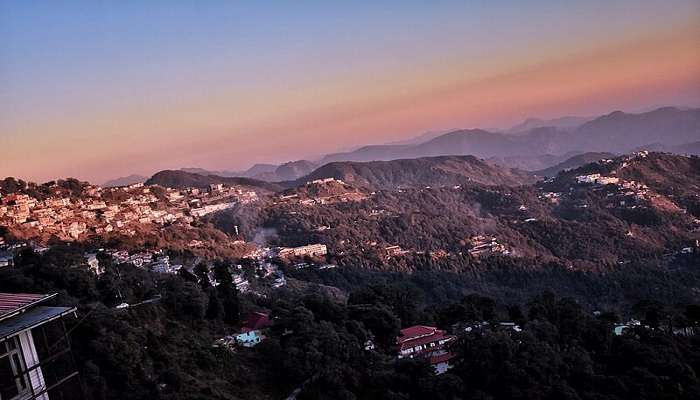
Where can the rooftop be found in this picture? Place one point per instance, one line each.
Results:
(416, 331)
(14, 303)
(32, 318)
(420, 335)
(255, 321)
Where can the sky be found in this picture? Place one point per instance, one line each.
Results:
(102, 89)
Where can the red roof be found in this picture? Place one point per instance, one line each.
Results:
(416, 331)
(437, 359)
(255, 321)
(419, 335)
(12, 303)
(10, 197)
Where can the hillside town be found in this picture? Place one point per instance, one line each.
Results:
(120, 210)
(299, 250)
(323, 192)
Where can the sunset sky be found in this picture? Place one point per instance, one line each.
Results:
(101, 89)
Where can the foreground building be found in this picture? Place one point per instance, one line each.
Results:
(35, 356)
(426, 342)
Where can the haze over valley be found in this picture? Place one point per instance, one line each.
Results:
(321, 200)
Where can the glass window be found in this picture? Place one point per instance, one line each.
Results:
(18, 365)
(8, 387)
(13, 375)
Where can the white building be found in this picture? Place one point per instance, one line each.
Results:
(587, 178)
(6, 260)
(607, 180)
(308, 250)
(93, 263)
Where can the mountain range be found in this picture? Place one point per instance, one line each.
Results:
(617, 132)
(418, 172)
(535, 145)
(564, 123)
(265, 172)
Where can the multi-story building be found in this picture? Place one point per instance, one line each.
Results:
(426, 342)
(308, 250)
(591, 178)
(395, 250)
(35, 356)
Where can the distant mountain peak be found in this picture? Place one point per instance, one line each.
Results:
(125, 181)
(565, 123)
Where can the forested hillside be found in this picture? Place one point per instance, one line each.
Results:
(596, 267)
(438, 171)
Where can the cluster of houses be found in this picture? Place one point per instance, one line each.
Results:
(8, 251)
(304, 265)
(6, 258)
(96, 212)
(625, 194)
(154, 260)
(311, 250)
(620, 193)
(598, 179)
(483, 246)
(263, 272)
(324, 191)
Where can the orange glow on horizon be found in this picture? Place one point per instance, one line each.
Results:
(223, 130)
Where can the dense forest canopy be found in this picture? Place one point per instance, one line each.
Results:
(565, 350)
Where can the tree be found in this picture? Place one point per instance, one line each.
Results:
(201, 271)
(227, 293)
(214, 307)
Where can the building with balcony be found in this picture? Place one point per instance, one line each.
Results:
(426, 342)
(35, 355)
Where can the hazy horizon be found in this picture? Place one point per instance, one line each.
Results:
(99, 91)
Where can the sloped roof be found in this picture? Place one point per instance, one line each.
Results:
(13, 303)
(257, 320)
(416, 331)
(440, 358)
(32, 318)
(420, 335)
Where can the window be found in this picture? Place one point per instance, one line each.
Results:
(13, 378)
